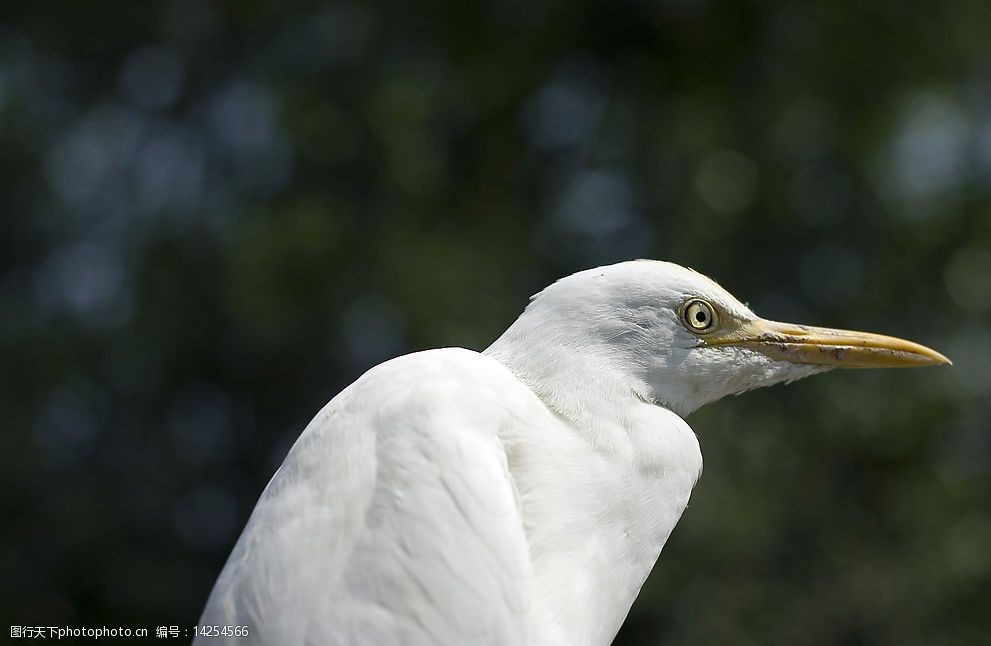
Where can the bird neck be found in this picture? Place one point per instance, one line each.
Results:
(582, 384)
(611, 464)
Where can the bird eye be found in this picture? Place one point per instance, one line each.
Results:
(699, 315)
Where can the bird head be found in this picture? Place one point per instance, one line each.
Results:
(676, 338)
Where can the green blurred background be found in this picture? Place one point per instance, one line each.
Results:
(218, 214)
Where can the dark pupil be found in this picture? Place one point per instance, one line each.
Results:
(700, 316)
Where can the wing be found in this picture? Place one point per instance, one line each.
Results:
(393, 519)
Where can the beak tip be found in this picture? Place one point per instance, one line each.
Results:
(929, 358)
(936, 358)
(933, 358)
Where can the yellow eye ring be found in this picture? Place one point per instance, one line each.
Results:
(698, 315)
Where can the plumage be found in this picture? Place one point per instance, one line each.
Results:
(516, 496)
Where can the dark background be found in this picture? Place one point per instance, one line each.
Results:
(218, 214)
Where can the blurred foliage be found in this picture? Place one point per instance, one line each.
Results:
(218, 214)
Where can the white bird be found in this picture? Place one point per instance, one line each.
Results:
(520, 495)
